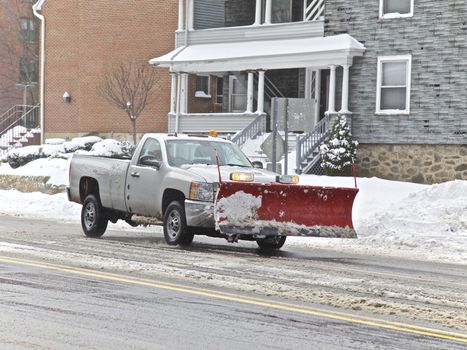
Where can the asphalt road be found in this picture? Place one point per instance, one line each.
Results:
(52, 309)
(59, 290)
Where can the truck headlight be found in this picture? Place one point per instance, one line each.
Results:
(202, 191)
(288, 179)
(242, 177)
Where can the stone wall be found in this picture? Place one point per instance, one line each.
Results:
(415, 163)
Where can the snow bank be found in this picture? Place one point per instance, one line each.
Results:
(404, 219)
(39, 205)
(391, 218)
(55, 168)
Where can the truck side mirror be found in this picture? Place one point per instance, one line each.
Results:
(150, 161)
(257, 165)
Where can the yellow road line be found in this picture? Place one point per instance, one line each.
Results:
(341, 316)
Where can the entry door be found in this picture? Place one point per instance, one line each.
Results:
(143, 182)
(237, 95)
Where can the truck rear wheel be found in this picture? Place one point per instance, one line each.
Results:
(93, 219)
(271, 243)
(175, 228)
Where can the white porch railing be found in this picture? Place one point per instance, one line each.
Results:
(308, 145)
(223, 123)
(278, 31)
(313, 10)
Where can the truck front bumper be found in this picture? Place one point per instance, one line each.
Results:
(199, 214)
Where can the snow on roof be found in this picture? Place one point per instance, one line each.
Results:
(266, 54)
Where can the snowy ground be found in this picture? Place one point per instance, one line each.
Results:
(391, 218)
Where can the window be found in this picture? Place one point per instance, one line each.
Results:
(395, 8)
(27, 70)
(28, 29)
(151, 148)
(203, 86)
(220, 90)
(393, 84)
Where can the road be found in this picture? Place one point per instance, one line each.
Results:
(60, 290)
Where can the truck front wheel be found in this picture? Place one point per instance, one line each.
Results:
(175, 228)
(271, 243)
(93, 219)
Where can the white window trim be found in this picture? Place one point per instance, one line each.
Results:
(202, 94)
(385, 59)
(394, 15)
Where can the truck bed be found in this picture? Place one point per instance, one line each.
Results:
(110, 174)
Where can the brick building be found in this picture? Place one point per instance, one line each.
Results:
(83, 39)
(18, 54)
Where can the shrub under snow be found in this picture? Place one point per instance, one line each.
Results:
(339, 150)
(56, 147)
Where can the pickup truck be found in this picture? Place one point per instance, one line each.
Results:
(171, 180)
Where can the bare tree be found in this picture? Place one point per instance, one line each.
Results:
(19, 49)
(128, 86)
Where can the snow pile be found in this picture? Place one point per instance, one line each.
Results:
(39, 205)
(403, 219)
(54, 168)
(238, 208)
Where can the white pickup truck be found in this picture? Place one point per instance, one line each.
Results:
(171, 180)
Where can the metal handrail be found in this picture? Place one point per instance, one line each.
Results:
(255, 128)
(313, 9)
(9, 112)
(8, 135)
(309, 143)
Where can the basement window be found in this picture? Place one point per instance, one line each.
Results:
(393, 84)
(395, 8)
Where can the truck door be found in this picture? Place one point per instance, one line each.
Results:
(143, 191)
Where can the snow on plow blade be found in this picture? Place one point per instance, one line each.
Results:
(278, 209)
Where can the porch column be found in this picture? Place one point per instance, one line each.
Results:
(267, 17)
(258, 12)
(180, 15)
(173, 93)
(345, 90)
(261, 91)
(332, 91)
(184, 93)
(249, 103)
(177, 104)
(190, 14)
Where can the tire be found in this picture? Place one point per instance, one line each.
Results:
(271, 243)
(93, 219)
(176, 231)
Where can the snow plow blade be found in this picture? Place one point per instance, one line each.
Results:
(260, 210)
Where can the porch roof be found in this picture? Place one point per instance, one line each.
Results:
(267, 54)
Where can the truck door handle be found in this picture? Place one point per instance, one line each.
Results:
(135, 174)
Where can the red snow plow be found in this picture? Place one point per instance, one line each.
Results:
(276, 209)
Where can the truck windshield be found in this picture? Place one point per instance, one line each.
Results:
(187, 152)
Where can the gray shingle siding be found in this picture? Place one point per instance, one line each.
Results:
(436, 37)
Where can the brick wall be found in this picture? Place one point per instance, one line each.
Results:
(83, 39)
(11, 51)
(436, 37)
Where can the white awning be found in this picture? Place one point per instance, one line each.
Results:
(268, 54)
